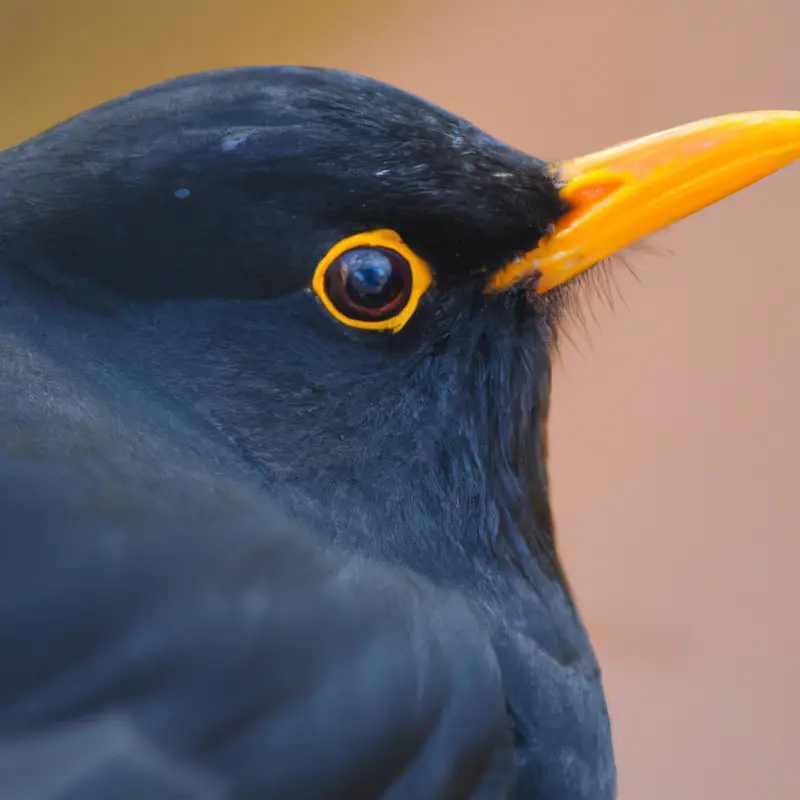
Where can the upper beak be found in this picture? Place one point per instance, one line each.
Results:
(619, 195)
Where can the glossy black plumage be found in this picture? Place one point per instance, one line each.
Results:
(171, 394)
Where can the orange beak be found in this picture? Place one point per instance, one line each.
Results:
(622, 194)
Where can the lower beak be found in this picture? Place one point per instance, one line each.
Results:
(622, 194)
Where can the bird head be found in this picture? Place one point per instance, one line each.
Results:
(357, 293)
(356, 288)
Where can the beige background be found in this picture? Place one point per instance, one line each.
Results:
(676, 436)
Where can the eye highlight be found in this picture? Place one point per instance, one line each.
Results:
(372, 281)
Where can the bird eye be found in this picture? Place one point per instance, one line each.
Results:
(372, 280)
(368, 283)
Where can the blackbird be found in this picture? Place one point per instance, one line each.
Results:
(274, 383)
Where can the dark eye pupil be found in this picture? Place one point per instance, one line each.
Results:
(369, 283)
(371, 279)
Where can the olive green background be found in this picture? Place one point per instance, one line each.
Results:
(675, 429)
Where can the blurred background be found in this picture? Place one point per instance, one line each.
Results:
(675, 434)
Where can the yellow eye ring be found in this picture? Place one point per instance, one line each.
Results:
(373, 281)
